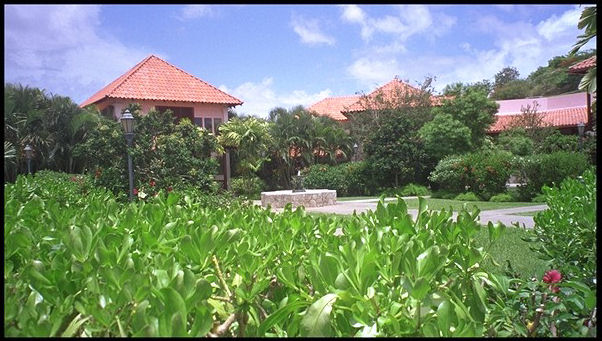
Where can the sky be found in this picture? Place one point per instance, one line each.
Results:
(272, 56)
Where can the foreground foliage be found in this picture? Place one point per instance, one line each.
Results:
(176, 266)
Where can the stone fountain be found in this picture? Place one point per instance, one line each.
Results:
(299, 196)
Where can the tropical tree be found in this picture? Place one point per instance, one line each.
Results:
(506, 75)
(587, 22)
(250, 140)
(554, 78)
(397, 153)
(474, 110)
(444, 136)
(301, 139)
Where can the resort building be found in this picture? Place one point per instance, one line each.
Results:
(155, 84)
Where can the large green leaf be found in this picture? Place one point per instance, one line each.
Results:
(316, 321)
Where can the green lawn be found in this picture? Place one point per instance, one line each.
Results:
(438, 204)
(510, 248)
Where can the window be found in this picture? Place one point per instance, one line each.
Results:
(179, 112)
(198, 121)
(217, 122)
(108, 112)
(208, 124)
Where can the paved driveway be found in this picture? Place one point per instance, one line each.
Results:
(506, 216)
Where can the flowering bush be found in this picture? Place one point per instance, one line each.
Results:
(550, 307)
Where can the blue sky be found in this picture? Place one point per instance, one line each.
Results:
(282, 55)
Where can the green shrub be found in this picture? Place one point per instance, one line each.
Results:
(557, 141)
(442, 194)
(166, 266)
(347, 179)
(548, 169)
(502, 197)
(164, 155)
(249, 187)
(407, 190)
(513, 192)
(539, 198)
(516, 141)
(173, 265)
(468, 196)
(483, 173)
(326, 177)
(566, 231)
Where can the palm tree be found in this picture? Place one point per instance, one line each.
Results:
(587, 21)
(250, 139)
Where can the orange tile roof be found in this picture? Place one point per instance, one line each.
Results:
(387, 92)
(337, 107)
(583, 65)
(333, 106)
(560, 118)
(156, 79)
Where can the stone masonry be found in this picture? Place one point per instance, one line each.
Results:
(309, 198)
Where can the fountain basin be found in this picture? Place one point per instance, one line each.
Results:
(309, 198)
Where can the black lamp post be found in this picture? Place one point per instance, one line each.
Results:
(28, 154)
(580, 128)
(127, 122)
(355, 148)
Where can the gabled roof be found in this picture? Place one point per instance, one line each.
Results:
(560, 118)
(338, 107)
(333, 106)
(156, 79)
(388, 93)
(583, 65)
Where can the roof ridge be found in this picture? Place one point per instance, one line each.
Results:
(193, 76)
(132, 71)
(112, 86)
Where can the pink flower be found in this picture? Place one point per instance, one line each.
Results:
(152, 183)
(552, 276)
(135, 191)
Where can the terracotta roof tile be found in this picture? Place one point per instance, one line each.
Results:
(583, 65)
(386, 91)
(156, 79)
(337, 107)
(333, 106)
(560, 118)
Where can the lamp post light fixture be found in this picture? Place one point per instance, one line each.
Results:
(127, 122)
(28, 155)
(355, 148)
(580, 129)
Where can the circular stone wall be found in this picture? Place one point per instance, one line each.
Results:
(309, 198)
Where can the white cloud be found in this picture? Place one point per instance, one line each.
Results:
(260, 98)
(58, 48)
(194, 12)
(554, 26)
(353, 13)
(410, 20)
(369, 71)
(309, 31)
